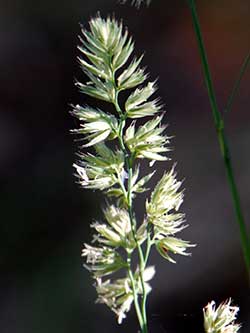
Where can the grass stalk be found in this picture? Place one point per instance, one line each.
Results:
(237, 83)
(140, 308)
(219, 125)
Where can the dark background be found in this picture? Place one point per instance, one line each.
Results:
(45, 216)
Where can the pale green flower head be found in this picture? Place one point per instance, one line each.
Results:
(119, 220)
(165, 201)
(165, 245)
(105, 33)
(122, 242)
(106, 48)
(165, 197)
(162, 212)
(221, 319)
(101, 171)
(137, 104)
(96, 125)
(148, 141)
(117, 295)
(118, 230)
(103, 260)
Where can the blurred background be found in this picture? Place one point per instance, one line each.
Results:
(45, 216)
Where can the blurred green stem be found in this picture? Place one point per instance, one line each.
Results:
(219, 124)
(237, 83)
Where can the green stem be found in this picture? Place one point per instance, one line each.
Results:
(149, 244)
(237, 83)
(140, 252)
(144, 298)
(219, 124)
(141, 311)
(135, 295)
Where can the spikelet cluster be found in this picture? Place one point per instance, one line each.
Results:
(221, 319)
(117, 144)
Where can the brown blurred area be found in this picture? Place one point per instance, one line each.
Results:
(45, 216)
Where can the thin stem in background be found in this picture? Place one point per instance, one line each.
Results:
(237, 83)
(219, 124)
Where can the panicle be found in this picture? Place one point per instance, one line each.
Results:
(106, 59)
